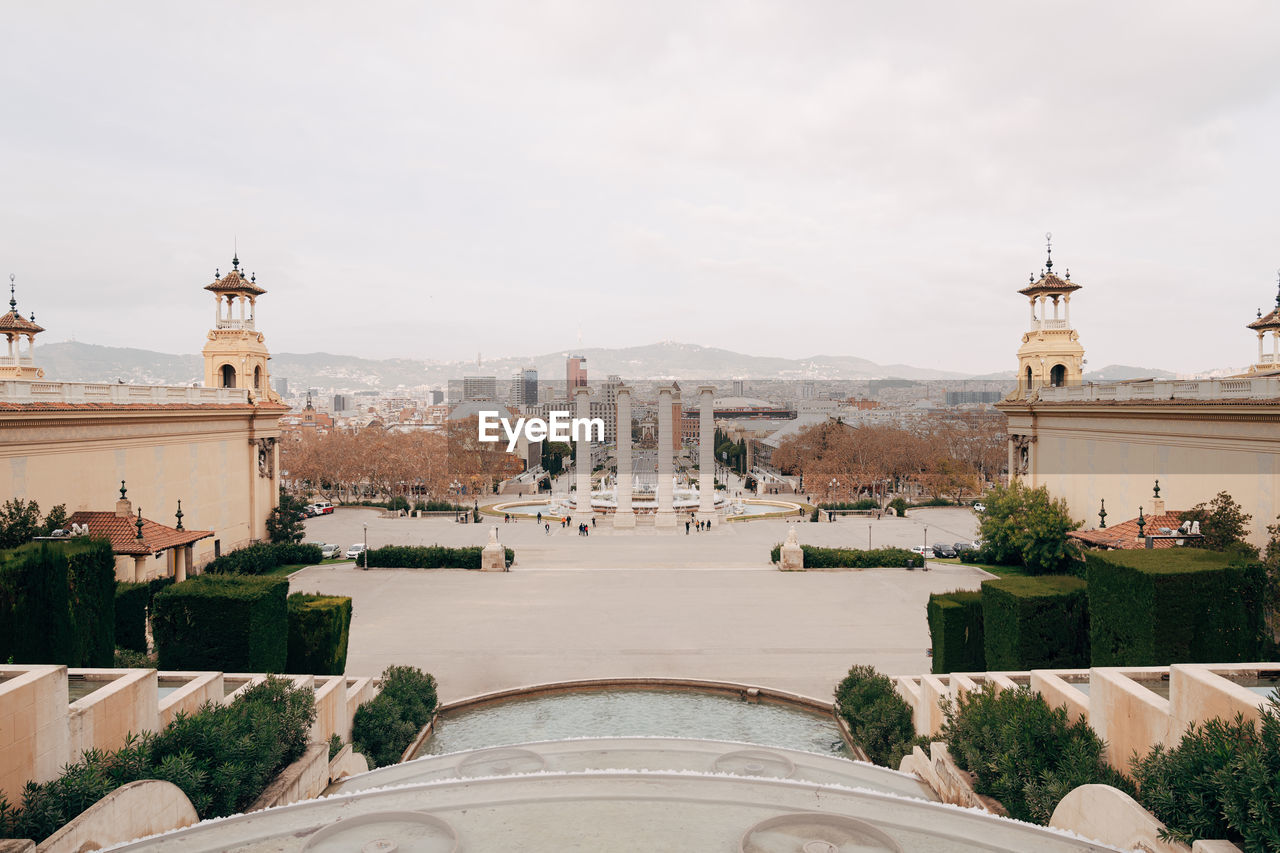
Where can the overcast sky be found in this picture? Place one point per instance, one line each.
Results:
(789, 178)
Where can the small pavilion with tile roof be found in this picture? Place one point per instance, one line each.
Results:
(235, 354)
(135, 540)
(1268, 362)
(1051, 353)
(16, 363)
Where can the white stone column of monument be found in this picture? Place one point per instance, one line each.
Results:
(624, 516)
(582, 459)
(706, 453)
(666, 515)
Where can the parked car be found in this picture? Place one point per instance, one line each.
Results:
(309, 511)
(328, 552)
(963, 546)
(927, 553)
(941, 549)
(979, 507)
(354, 552)
(323, 507)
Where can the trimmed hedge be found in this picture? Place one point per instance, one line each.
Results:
(853, 558)
(426, 557)
(319, 627)
(955, 627)
(264, 557)
(132, 604)
(1035, 623)
(35, 606)
(859, 505)
(223, 622)
(1184, 605)
(91, 573)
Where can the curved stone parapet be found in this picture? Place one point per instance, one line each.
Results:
(1111, 816)
(131, 811)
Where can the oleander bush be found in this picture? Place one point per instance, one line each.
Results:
(319, 628)
(230, 623)
(427, 557)
(1221, 780)
(264, 557)
(383, 727)
(1174, 605)
(879, 719)
(221, 756)
(1024, 753)
(1035, 623)
(955, 627)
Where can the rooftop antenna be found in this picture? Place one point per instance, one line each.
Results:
(1048, 242)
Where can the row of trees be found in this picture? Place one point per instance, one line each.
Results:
(952, 456)
(375, 464)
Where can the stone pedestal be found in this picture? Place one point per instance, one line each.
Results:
(707, 454)
(666, 515)
(582, 458)
(494, 557)
(624, 518)
(792, 559)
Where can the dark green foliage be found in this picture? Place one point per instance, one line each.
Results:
(335, 746)
(1222, 522)
(35, 606)
(1222, 780)
(899, 506)
(934, 502)
(879, 719)
(1025, 526)
(383, 727)
(20, 522)
(813, 516)
(853, 558)
(427, 557)
(1024, 753)
(955, 627)
(319, 626)
(131, 603)
(399, 502)
(1035, 623)
(284, 522)
(263, 557)
(1173, 605)
(223, 622)
(91, 574)
(222, 757)
(129, 659)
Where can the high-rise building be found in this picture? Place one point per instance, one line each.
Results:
(479, 388)
(524, 388)
(342, 402)
(575, 374)
(435, 397)
(281, 386)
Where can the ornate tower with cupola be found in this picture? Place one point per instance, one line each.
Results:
(15, 361)
(1051, 353)
(1268, 356)
(235, 355)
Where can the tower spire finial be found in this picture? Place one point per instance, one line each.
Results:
(1048, 243)
(13, 302)
(1277, 288)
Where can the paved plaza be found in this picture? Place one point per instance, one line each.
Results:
(642, 604)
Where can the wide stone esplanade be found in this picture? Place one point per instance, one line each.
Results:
(1051, 353)
(235, 355)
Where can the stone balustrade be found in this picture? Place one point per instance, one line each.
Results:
(20, 391)
(1259, 388)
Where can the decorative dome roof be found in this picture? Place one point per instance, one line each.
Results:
(1272, 320)
(15, 323)
(1050, 283)
(234, 282)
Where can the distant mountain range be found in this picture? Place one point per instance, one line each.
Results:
(79, 362)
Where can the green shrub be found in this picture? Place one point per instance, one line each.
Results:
(955, 627)
(223, 622)
(1028, 527)
(1024, 753)
(427, 557)
(899, 506)
(933, 502)
(852, 558)
(221, 756)
(383, 727)
(91, 573)
(860, 505)
(1035, 623)
(129, 659)
(38, 603)
(264, 557)
(335, 746)
(319, 627)
(879, 719)
(1173, 605)
(131, 602)
(1222, 780)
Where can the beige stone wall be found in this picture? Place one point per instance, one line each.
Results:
(131, 811)
(33, 726)
(127, 703)
(201, 455)
(1085, 453)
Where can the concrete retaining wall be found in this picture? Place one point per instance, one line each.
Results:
(130, 811)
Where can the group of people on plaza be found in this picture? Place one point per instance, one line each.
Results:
(694, 524)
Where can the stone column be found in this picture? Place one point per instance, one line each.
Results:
(139, 569)
(582, 459)
(493, 557)
(666, 515)
(180, 564)
(706, 454)
(623, 516)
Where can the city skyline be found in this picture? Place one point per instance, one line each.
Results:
(838, 180)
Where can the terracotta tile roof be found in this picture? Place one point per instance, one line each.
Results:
(234, 282)
(123, 533)
(1163, 401)
(108, 407)
(1125, 534)
(1050, 282)
(15, 322)
(1270, 321)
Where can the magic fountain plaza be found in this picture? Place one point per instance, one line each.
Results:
(635, 579)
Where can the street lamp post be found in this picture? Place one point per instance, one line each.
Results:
(365, 553)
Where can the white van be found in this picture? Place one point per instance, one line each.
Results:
(323, 508)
